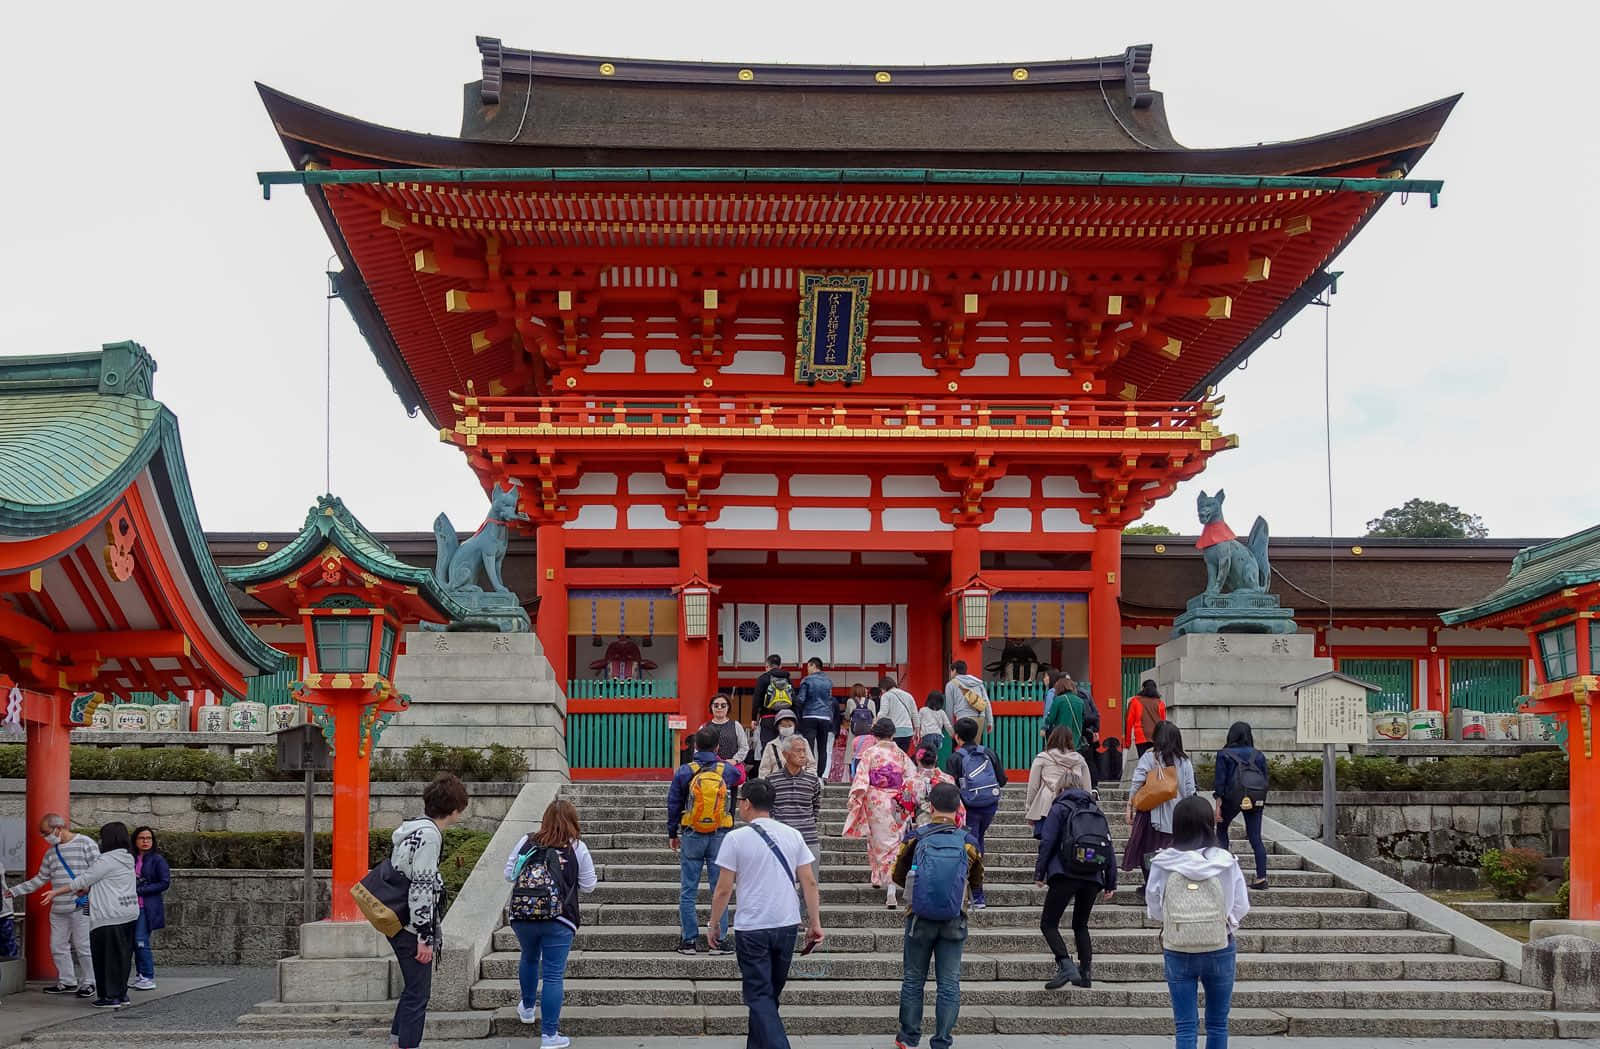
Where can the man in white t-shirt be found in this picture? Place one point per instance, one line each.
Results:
(765, 859)
(900, 707)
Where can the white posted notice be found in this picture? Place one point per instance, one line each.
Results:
(1331, 711)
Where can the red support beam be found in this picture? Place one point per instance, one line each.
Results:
(1105, 630)
(49, 770)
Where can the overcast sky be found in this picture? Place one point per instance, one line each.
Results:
(1460, 373)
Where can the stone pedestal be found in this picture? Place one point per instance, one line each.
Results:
(1209, 681)
(474, 689)
(1564, 958)
(339, 962)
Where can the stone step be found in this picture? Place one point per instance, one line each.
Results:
(1106, 916)
(1258, 994)
(1003, 894)
(868, 1018)
(975, 966)
(664, 872)
(370, 1019)
(833, 812)
(996, 857)
(654, 832)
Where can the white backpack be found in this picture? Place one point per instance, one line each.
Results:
(1194, 915)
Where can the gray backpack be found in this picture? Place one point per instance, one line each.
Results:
(1194, 915)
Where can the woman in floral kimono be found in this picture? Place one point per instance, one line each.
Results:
(875, 812)
(914, 795)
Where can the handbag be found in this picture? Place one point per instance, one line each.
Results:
(1158, 788)
(384, 898)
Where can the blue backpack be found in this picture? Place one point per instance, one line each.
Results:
(939, 869)
(980, 787)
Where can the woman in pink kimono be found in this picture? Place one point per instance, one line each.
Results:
(875, 811)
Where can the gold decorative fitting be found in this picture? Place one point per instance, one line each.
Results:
(607, 69)
(882, 77)
(1087, 386)
(1161, 548)
(1356, 550)
(262, 545)
(747, 74)
(951, 386)
(706, 382)
(1019, 74)
(572, 381)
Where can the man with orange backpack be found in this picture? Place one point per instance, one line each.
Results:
(700, 813)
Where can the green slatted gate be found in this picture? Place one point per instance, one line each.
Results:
(1015, 739)
(1015, 691)
(1396, 677)
(619, 741)
(1134, 670)
(610, 688)
(1490, 685)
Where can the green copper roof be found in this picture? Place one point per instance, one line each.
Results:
(1537, 571)
(76, 430)
(329, 523)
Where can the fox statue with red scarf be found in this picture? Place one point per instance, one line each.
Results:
(1232, 566)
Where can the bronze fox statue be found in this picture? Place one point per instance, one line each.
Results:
(459, 563)
(1231, 565)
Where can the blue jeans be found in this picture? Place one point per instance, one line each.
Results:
(941, 942)
(764, 959)
(411, 1011)
(978, 821)
(1213, 970)
(545, 945)
(144, 960)
(697, 851)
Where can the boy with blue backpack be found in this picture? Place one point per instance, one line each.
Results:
(979, 776)
(942, 862)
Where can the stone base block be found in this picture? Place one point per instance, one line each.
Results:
(337, 979)
(1541, 928)
(13, 976)
(1209, 681)
(331, 939)
(1566, 965)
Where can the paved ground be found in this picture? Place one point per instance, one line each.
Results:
(58, 1039)
(186, 998)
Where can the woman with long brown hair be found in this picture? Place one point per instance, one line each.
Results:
(547, 870)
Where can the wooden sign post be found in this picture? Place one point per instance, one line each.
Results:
(1330, 709)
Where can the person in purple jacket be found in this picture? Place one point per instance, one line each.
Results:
(154, 879)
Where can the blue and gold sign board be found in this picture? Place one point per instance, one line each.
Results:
(833, 327)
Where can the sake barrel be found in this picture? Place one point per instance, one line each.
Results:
(131, 717)
(214, 718)
(247, 716)
(100, 720)
(1389, 725)
(1537, 728)
(166, 717)
(1469, 726)
(1501, 727)
(1427, 724)
(283, 715)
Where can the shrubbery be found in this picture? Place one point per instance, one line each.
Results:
(1564, 894)
(1544, 770)
(1511, 873)
(499, 764)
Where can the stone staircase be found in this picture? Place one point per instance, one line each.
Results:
(1315, 959)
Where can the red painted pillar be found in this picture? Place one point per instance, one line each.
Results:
(1584, 791)
(1105, 630)
(694, 656)
(49, 790)
(351, 801)
(965, 560)
(925, 670)
(551, 562)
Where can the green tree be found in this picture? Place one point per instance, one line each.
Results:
(1148, 529)
(1425, 519)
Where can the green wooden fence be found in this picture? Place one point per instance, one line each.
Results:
(1134, 670)
(1490, 685)
(1015, 691)
(619, 741)
(609, 688)
(1396, 677)
(1015, 739)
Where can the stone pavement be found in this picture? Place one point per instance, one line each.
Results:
(59, 1039)
(224, 994)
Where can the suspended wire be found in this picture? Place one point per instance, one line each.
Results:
(1099, 69)
(1327, 428)
(327, 372)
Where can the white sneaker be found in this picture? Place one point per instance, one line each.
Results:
(143, 983)
(554, 1041)
(526, 1014)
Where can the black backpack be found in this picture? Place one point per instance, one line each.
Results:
(1249, 788)
(1085, 849)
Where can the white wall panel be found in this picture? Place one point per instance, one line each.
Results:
(1038, 364)
(1012, 488)
(757, 362)
(593, 516)
(595, 484)
(990, 363)
(664, 362)
(1009, 519)
(877, 640)
(748, 484)
(914, 519)
(847, 635)
(816, 634)
(896, 364)
(750, 630)
(1063, 519)
(900, 657)
(612, 362)
(746, 519)
(833, 486)
(830, 519)
(649, 515)
(1061, 488)
(910, 487)
(783, 633)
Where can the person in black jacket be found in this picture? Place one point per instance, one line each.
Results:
(1237, 754)
(154, 879)
(1050, 873)
(769, 730)
(978, 816)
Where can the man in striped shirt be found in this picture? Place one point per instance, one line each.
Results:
(69, 856)
(797, 795)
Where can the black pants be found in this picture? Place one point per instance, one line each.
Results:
(1252, 831)
(816, 732)
(1142, 747)
(1081, 894)
(111, 949)
(411, 1011)
(764, 959)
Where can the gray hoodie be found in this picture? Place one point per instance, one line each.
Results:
(113, 889)
(955, 700)
(1197, 864)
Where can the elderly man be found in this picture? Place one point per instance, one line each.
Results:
(797, 794)
(69, 856)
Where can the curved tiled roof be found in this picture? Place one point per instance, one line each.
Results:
(1573, 560)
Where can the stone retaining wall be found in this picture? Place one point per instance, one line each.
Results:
(223, 917)
(189, 806)
(1432, 839)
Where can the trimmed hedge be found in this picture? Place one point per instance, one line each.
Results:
(421, 763)
(1544, 770)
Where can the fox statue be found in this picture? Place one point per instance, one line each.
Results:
(1231, 565)
(459, 563)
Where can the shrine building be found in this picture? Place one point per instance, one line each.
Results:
(873, 364)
